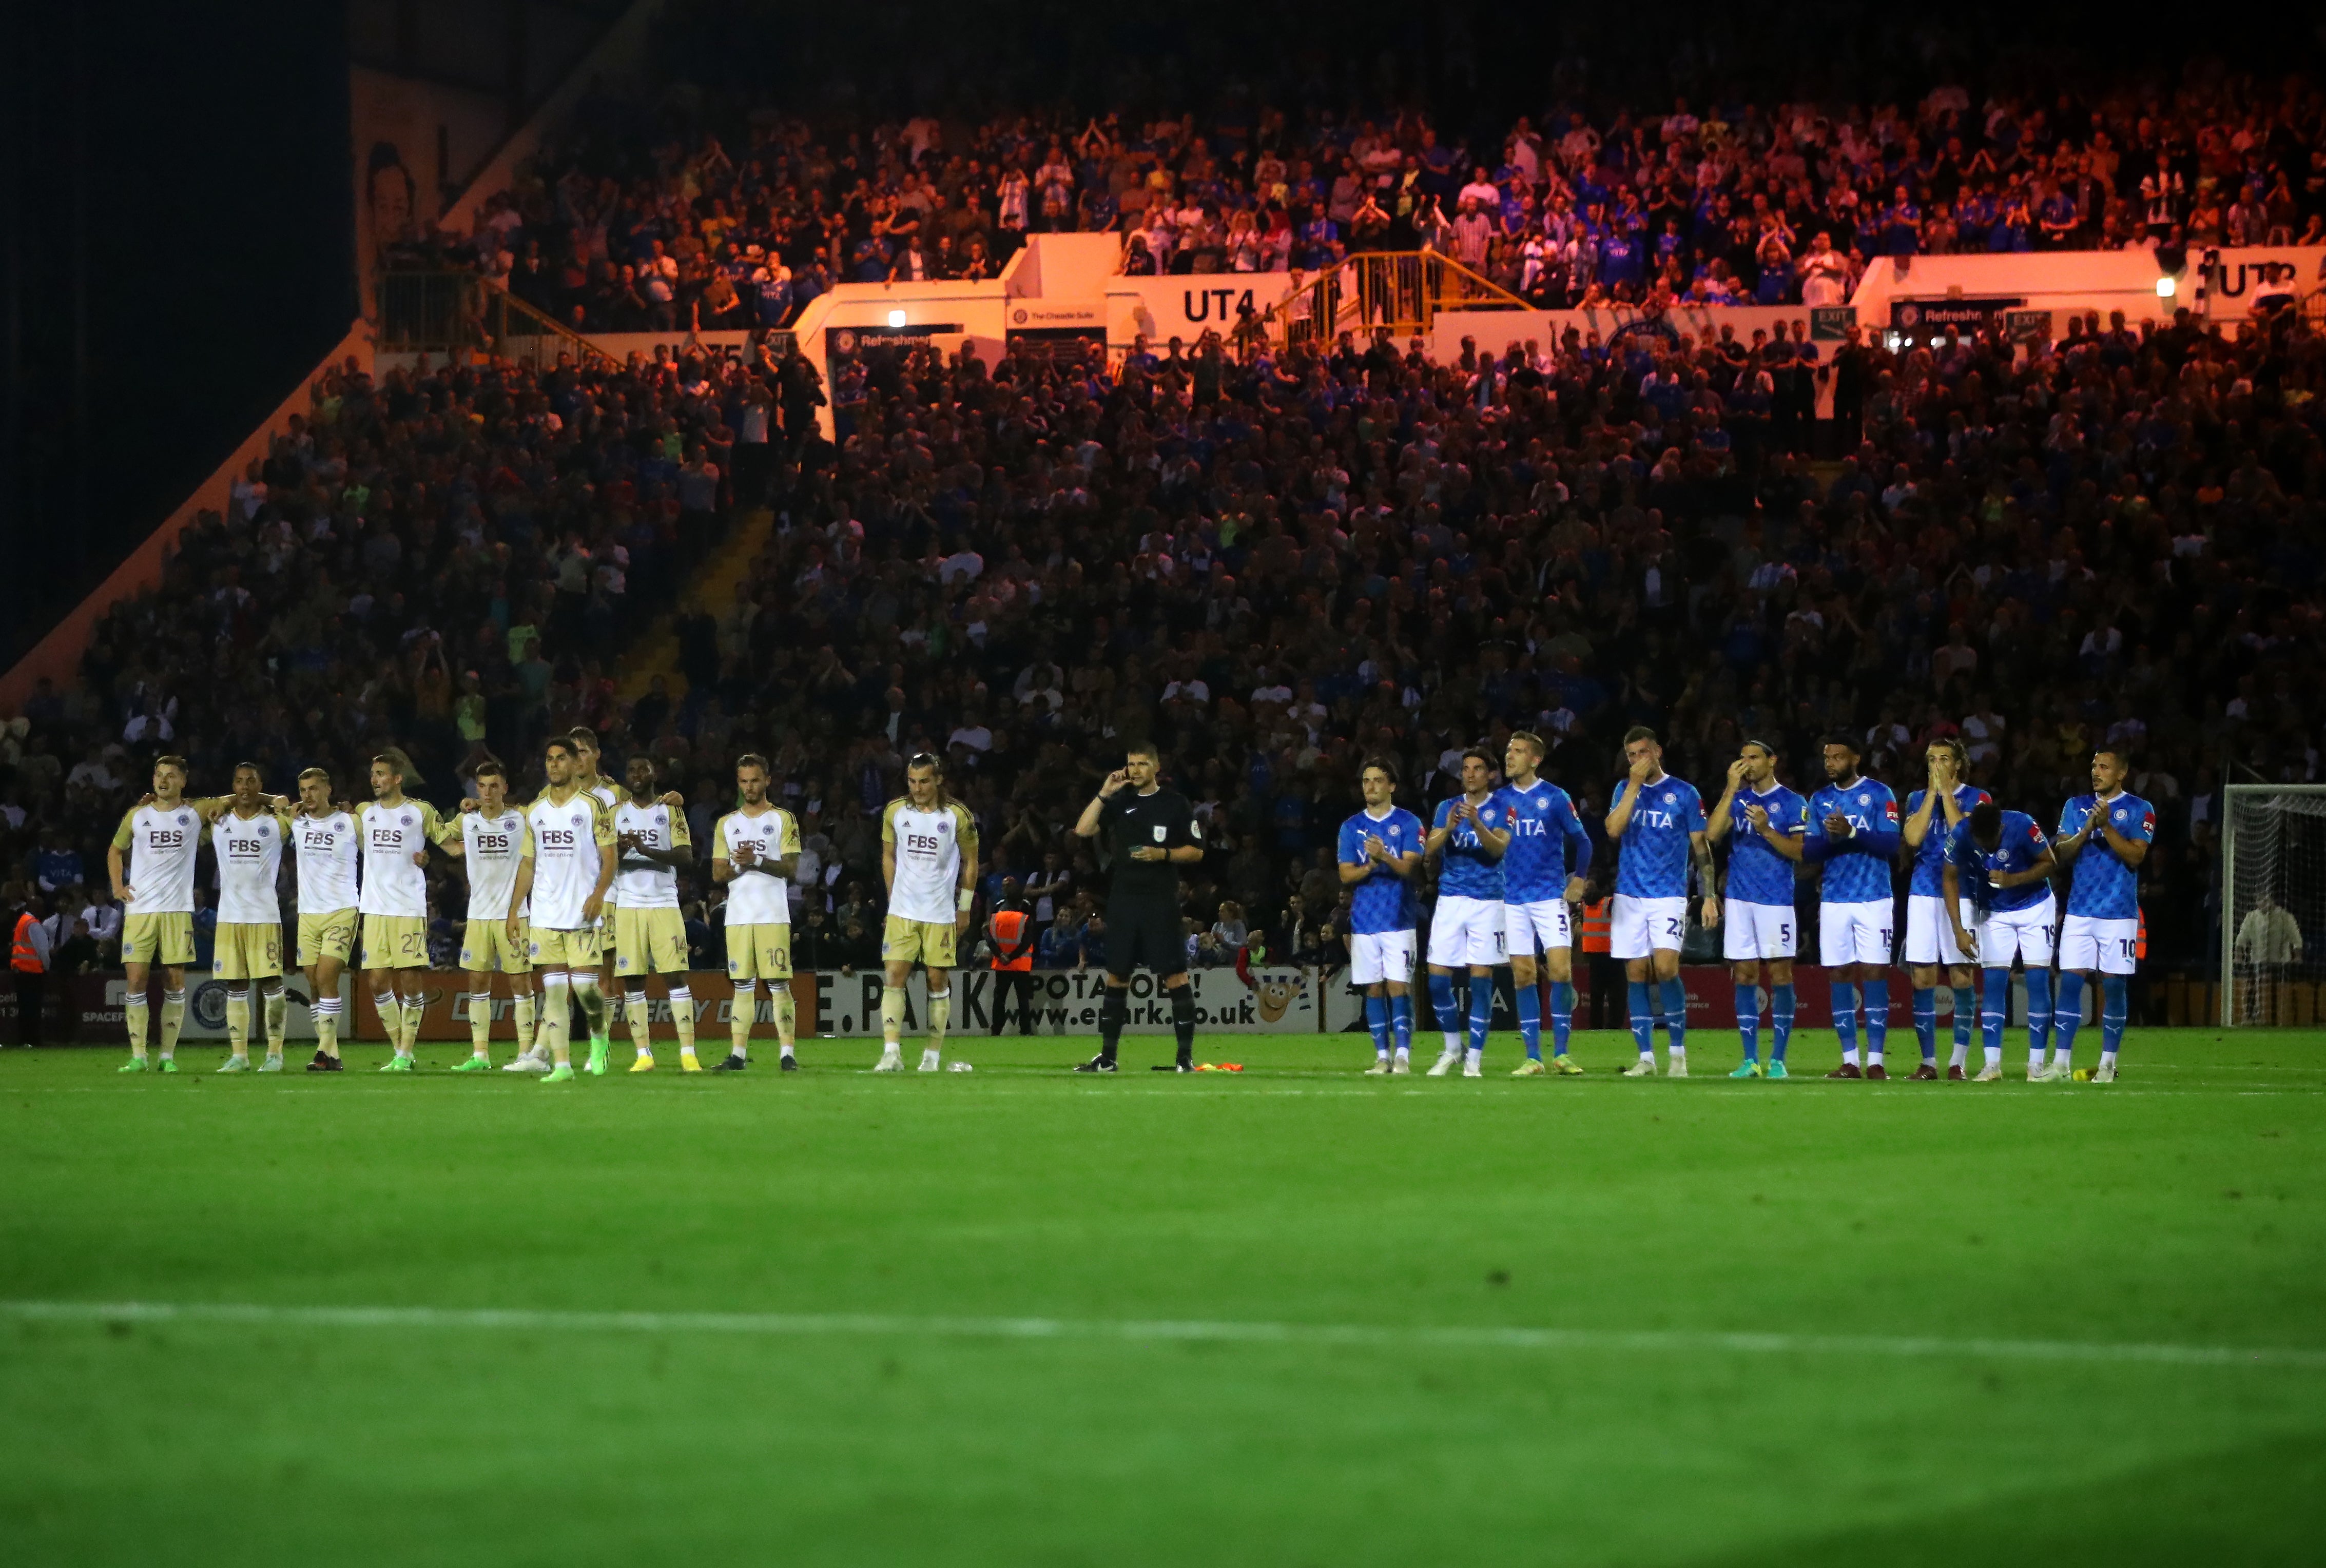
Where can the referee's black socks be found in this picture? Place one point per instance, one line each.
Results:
(1183, 1022)
(1114, 1012)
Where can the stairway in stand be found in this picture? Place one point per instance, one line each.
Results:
(710, 588)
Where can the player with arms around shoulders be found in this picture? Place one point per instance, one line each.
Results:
(247, 830)
(1761, 930)
(395, 832)
(652, 846)
(1543, 867)
(754, 848)
(151, 861)
(1150, 831)
(329, 848)
(1657, 823)
(1468, 837)
(563, 892)
(2104, 836)
(1379, 858)
(1932, 813)
(495, 841)
(2001, 860)
(1853, 835)
(928, 864)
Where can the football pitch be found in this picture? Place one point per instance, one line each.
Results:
(1287, 1316)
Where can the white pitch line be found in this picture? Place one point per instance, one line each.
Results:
(1155, 1330)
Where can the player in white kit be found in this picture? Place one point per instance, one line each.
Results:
(753, 851)
(324, 835)
(248, 831)
(495, 841)
(928, 860)
(395, 831)
(652, 845)
(151, 864)
(562, 889)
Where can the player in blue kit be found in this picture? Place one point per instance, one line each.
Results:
(1769, 822)
(2104, 836)
(1466, 928)
(2002, 861)
(1380, 857)
(1854, 836)
(1542, 875)
(1931, 814)
(1658, 822)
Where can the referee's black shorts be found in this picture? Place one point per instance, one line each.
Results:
(1144, 933)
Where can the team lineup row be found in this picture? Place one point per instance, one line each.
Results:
(588, 871)
(1513, 862)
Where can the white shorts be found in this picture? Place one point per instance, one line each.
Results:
(1465, 930)
(1854, 933)
(2024, 934)
(1375, 956)
(1637, 927)
(2088, 942)
(1930, 934)
(1756, 931)
(1544, 925)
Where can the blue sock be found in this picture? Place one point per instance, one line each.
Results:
(2039, 1010)
(1643, 1022)
(1481, 1010)
(1529, 1005)
(1965, 1009)
(1441, 1002)
(1562, 1016)
(1400, 1022)
(1844, 1018)
(1780, 1020)
(1748, 1020)
(2116, 1011)
(2068, 1015)
(1877, 1016)
(1675, 996)
(1377, 1020)
(1995, 1006)
(1926, 1021)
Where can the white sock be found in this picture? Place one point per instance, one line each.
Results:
(931, 1057)
(1961, 1054)
(2035, 1060)
(1678, 1052)
(1454, 1044)
(1403, 1054)
(1849, 1056)
(1872, 1057)
(1994, 1055)
(1472, 1057)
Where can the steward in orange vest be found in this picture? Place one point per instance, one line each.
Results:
(1009, 933)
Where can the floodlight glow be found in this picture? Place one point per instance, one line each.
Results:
(2165, 288)
(897, 318)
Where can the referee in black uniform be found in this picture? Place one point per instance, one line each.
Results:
(1150, 833)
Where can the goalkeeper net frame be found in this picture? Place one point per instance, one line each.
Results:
(2273, 903)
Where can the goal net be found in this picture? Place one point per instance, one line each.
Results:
(2273, 904)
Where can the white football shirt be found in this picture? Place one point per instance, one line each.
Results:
(643, 884)
(160, 866)
(328, 848)
(567, 836)
(757, 896)
(929, 847)
(393, 882)
(494, 847)
(249, 851)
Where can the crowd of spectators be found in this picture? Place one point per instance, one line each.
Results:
(1273, 569)
(706, 212)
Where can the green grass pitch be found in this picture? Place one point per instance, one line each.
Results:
(1806, 1323)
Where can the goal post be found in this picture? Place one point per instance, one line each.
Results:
(2273, 903)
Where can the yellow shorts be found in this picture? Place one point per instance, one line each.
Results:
(649, 942)
(158, 939)
(488, 949)
(331, 935)
(930, 940)
(248, 951)
(759, 952)
(395, 941)
(553, 948)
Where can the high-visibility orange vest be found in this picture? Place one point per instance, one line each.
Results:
(1597, 927)
(1008, 931)
(2140, 942)
(24, 957)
